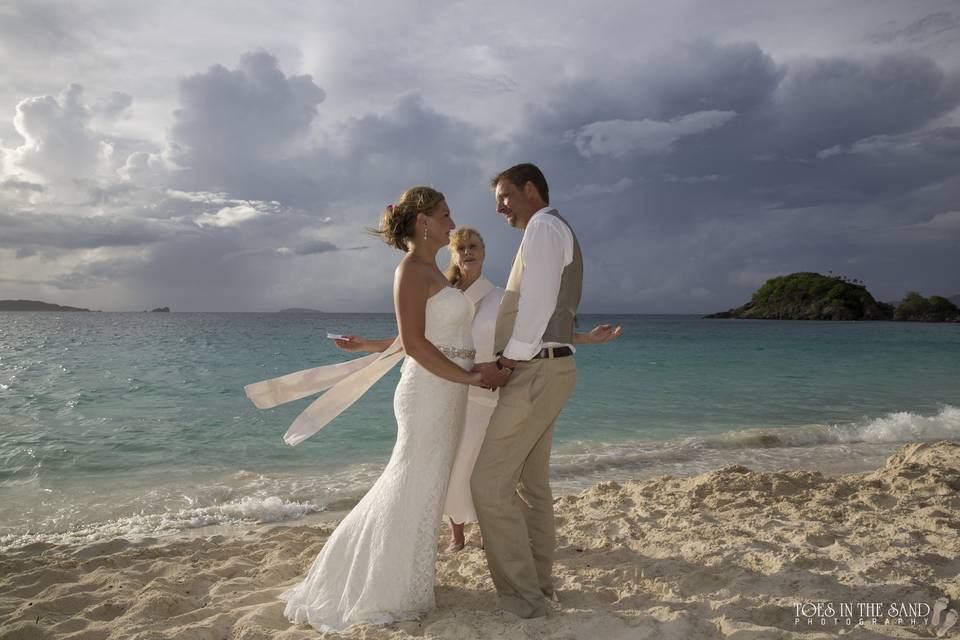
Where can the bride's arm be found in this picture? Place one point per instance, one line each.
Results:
(410, 293)
(354, 344)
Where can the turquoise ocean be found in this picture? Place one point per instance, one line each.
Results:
(135, 424)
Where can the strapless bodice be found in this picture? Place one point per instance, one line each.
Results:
(449, 316)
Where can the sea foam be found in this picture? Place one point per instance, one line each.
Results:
(899, 426)
(246, 510)
(831, 447)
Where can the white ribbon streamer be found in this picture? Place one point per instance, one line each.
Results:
(346, 381)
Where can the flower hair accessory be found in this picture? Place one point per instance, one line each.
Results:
(390, 208)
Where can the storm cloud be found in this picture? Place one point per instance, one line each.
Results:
(697, 150)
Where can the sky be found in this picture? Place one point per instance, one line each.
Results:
(229, 156)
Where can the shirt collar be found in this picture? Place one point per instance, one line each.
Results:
(541, 211)
(478, 290)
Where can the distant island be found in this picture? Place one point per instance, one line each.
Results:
(34, 305)
(160, 310)
(299, 310)
(812, 296)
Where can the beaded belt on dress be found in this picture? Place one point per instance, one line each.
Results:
(456, 352)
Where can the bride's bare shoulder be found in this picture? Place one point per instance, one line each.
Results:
(412, 273)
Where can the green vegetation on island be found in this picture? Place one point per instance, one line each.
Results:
(34, 305)
(916, 308)
(812, 296)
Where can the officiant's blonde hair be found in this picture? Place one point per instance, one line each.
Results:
(460, 236)
(398, 220)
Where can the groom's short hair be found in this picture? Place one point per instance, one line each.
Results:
(520, 175)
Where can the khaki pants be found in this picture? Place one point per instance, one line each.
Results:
(511, 483)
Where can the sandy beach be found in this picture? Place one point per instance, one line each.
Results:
(727, 554)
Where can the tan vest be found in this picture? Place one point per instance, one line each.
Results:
(564, 318)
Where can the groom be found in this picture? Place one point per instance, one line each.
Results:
(537, 373)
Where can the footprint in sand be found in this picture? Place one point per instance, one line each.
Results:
(949, 620)
(938, 608)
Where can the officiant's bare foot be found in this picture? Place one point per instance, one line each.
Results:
(458, 541)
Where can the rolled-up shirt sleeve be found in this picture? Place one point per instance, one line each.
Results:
(544, 259)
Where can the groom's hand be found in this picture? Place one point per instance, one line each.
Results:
(484, 384)
(493, 377)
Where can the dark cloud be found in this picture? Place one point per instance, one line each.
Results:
(822, 103)
(317, 246)
(409, 144)
(27, 232)
(341, 181)
(814, 163)
(935, 24)
(690, 78)
(22, 185)
(336, 187)
(237, 129)
(97, 273)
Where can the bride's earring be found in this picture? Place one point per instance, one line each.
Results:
(425, 231)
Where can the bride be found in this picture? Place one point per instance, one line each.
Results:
(378, 565)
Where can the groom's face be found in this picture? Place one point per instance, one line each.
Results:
(512, 204)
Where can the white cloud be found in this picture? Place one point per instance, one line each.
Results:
(835, 150)
(115, 106)
(587, 190)
(912, 143)
(710, 177)
(205, 197)
(58, 143)
(145, 168)
(619, 138)
(229, 216)
(946, 223)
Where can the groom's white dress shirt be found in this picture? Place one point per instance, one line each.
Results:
(546, 249)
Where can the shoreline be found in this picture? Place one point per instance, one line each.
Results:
(728, 553)
(265, 498)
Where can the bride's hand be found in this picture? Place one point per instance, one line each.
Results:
(351, 344)
(475, 378)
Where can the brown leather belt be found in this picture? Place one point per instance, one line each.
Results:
(553, 352)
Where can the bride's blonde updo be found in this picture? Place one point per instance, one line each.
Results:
(398, 221)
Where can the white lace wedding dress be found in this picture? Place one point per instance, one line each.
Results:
(378, 565)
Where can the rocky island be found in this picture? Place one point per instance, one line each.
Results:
(34, 305)
(812, 296)
(299, 310)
